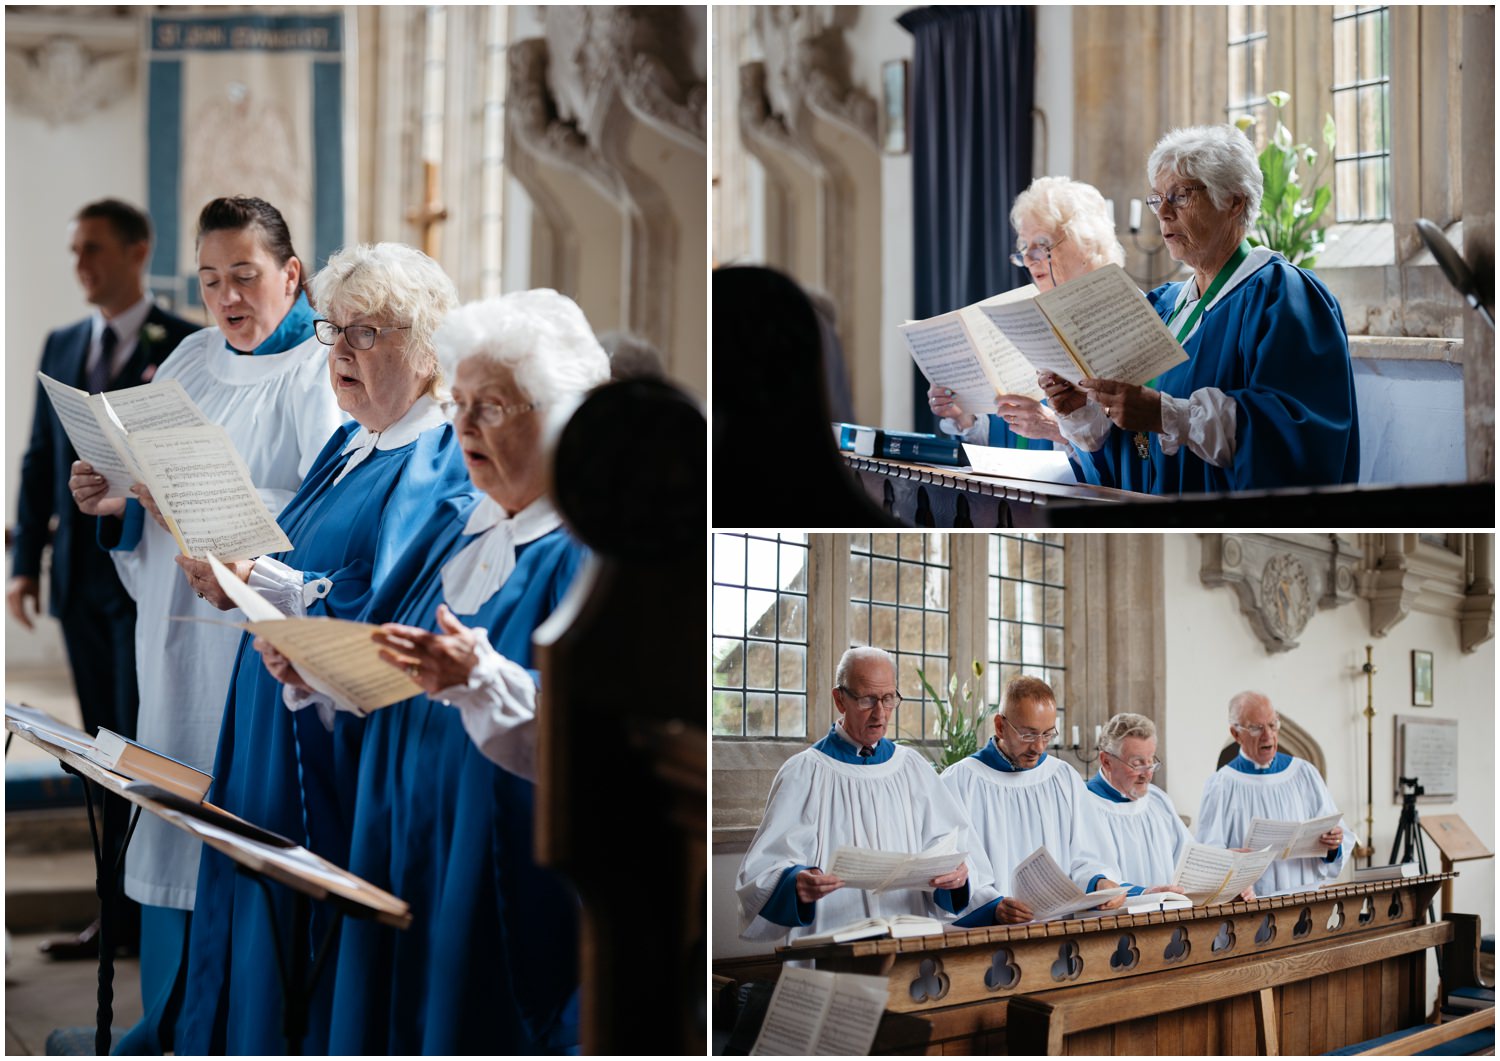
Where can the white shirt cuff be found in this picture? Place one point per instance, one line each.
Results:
(1204, 421)
(296, 699)
(1086, 428)
(498, 708)
(286, 587)
(978, 432)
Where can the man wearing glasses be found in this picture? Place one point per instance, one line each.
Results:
(1020, 798)
(1146, 837)
(855, 787)
(1264, 782)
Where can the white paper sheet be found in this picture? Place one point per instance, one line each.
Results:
(1040, 883)
(1210, 875)
(880, 871)
(1291, 839)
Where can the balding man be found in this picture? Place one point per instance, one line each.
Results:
(1144, 835)
(1020, 798)
(856, 788)
(1264, 782)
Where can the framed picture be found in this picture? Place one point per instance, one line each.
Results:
(1421, 678)
(893, 84)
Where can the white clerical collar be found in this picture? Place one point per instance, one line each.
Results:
(479, 569)
(1255, 765)
(126, 325)
(425, 413)
(1188, 294)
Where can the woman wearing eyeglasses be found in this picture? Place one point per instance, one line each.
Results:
(1266, 397)
(444, 804)
(257, 374)
(1063, 231)
(369, 495)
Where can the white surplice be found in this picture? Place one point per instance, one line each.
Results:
(1231, 799)
(818, 804)
(279, 412)
(1144, 837)
(1017, 812)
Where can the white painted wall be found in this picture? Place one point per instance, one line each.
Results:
(51, 171)
(1054, 90)
(1213, 654)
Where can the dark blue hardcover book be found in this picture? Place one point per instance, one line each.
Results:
(900, 445)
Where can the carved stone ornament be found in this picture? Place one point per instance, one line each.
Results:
(533, 121)
(807, 65)
(60, 80)
(1281, 580)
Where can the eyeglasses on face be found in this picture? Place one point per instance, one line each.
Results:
(1030, 737)
(1039, 250)
(890, 701)
(1149, 766)
(1256, 731)
(358, 336)
(1178, 199)
(490, 414)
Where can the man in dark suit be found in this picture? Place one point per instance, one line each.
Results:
(118, 345)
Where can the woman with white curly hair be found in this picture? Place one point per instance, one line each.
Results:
(1063, 231)
(369, 496)
(1266, 397)
(444, 802)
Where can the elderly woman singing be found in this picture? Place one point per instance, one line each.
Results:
(1266, 397)
(1063, 231)
(370, 495)
(444, 806)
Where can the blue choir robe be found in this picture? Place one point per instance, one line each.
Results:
(1275, 343)
(276, 769)
(489, 964)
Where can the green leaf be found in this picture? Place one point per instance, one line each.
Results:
(1330, 132)
(1278, 99)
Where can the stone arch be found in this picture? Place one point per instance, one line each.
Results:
(1294, 740)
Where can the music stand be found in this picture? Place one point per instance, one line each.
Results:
(306, 874)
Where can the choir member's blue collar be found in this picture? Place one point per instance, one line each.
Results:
(837, 745)
(991, 755)
(1099, 785)
(294, 330)
(1246, 765)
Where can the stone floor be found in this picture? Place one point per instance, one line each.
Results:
(42, 994)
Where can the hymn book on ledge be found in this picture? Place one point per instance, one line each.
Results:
(1098, 325)
(155, 434)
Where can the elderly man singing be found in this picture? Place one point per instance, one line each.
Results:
(855, 787)
(1144, 837)
(1262, 782)
(1020, 798)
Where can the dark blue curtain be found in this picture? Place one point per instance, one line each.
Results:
(972, 90)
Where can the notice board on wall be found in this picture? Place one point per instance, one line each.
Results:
(1427, 749)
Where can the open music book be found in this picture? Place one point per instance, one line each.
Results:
(880, 871)
(155, 434)
(897, 926)
(1097, 325)
(335, 656)
(1040, 883)
(1210, 875)
(1292, 839)
(817, 1012)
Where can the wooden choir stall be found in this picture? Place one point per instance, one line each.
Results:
(1293, 974)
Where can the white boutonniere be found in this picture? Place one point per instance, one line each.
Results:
(154, 332)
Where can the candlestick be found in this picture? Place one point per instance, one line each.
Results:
(1075, 736)
(1135, 215)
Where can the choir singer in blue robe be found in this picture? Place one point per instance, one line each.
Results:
(370, 494)
(1266, 397)
(444, 807)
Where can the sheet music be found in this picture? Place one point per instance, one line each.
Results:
(1044, 465)
(154, 407)
(1210, 875)
(1027, 327)
(1291, 839)
(96, 439)
(1040, 883)
(1007, 364)
(339, 654)
(204, 490)
(1110, 325)
(818, 1012)
(881, 871)
(945, 351)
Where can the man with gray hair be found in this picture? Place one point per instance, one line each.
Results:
(1264, 782)
(856, 787)
(1145, 837)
